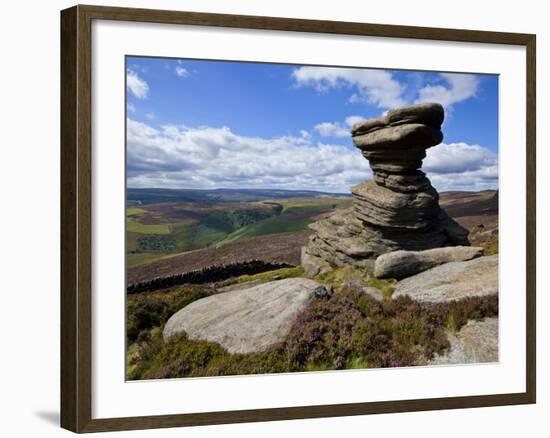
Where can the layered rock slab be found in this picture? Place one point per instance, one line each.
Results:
(381, 207)
(246, 320)
(452, 281)
(400, 264)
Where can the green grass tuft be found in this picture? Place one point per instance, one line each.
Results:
(276, 274)
(340, 278)
(134, 226)
(386, 286)
(490, 246)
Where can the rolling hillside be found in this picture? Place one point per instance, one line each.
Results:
(158, 230)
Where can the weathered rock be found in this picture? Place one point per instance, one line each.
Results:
(379, 206)
(313, 265)
(343, 240)
(456, 234)
(430, 114)
(246, 320)
(452, 281)
(360, 284)
(416, 182)
(476, 342)
(400, 136)
(400, 264)
(399, 208)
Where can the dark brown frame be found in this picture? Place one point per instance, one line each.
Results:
(76, 173)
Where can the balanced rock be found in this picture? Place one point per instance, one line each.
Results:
(247, 320)
(452, 281)
(398, 209)
(400, 264)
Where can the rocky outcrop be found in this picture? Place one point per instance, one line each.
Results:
(452, 281)
(476, 342)
(400, 264)
(246, 320)
(398, 209)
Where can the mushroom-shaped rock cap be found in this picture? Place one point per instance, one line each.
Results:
(430, 114)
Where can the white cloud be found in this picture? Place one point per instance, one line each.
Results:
(136, 85)
(131, 107)
(150, 116)
(458, 157)
(461, 166)
(376, 87)
(206, 157)
(337, 129)
(474, 181)
(381, 89)
(352, 120)
(459, 87)
(181, 72)
(329, 129)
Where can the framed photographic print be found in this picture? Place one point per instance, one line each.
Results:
(269, 218)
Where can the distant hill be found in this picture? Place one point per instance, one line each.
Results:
(459, 204)
(154, 196)
(173, 231)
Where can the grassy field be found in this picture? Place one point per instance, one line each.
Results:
(156, 231)
(285, 223)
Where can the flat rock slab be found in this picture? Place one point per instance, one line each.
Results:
(247, 320)
(452, 281)
(400, 264)
(476, 342)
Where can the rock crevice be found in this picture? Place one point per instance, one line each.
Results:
(398, 209)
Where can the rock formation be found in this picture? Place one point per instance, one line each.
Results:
(401, 264)
(452, 281)
(398, 209)
(247, 320)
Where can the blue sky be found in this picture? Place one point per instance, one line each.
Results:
(212, 124)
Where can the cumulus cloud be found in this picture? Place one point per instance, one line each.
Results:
(461, 166)
(352, 120)
(212, 157)
(376, 87)
(458, 157)
(207, 157)
(181, 71)
(330, 129)
(337, 129)
(137, 86)
(458, 87)
(382, 89)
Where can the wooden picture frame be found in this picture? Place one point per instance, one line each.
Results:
(76, 217)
